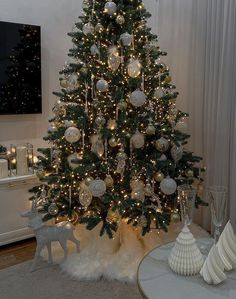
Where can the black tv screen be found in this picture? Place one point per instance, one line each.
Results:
(20, 69)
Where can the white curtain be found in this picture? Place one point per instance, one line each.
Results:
(200, 38)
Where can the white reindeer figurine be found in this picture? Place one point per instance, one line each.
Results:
(46, 234)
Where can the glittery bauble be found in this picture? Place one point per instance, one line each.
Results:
(72, 134)
(112, 142)
(142, 221)
(175, 217)
(109, 181)
(168, 186)
(113, 216)
(69, 123)
(94, 50)
(151, 130)
(113, 50)
(177, 152)
(64, 83)
(162, 144)
(88, 180)
(53, 209)
(120, 20)
(134, 68)
(73, 82)
(122, 105)
(88, 28)
(99, 27)
(159, 92)
(110, 8)
(114, 62)
(72, 157)
(137, 140)
(112, 124)
(138, 194)
(136, 184)
(85, 197)
(137, 98)
(148, 190)
(126, 39)
(121, 156)
(100, 120)
(159, 176)
(102, 85)
(97, 188)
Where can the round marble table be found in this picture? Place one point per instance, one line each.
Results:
(157, 281)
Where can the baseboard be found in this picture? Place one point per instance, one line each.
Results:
(14, 236)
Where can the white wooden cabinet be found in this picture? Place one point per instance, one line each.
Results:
(14, 197)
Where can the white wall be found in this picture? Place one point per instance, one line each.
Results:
(56, 18)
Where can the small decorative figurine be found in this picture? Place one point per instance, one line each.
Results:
(46, 234)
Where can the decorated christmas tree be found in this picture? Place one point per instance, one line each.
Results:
(117, 140)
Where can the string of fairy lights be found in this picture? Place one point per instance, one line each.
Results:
(117, 134)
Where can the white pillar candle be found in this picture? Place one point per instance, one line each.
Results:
(3, 168)
(21, 160)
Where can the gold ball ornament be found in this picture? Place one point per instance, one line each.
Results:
(134, 68)
(168, 79)
(148, 190)
(112, 142)
(162, 144)
(159, 176)
(151, 130)
(53, 209)
(88, 180)
(99, 28)
(137, 140)
(112, 124)
(113, 216)
(84, 70)
(175, 217)
(109, 181)
(120, 20)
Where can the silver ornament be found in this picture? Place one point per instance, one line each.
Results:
(99, 27)
(182, 125)
(162, 144)
(94, 50)
(142, 221)
(72, 157)
(134, 68)
(177, 152)
(120, 20)
(137, 140)
(85, 196)
(126, 39)
(52, 128)
(88, 28)
(162, 158)
(97, 188)
(100, 120)
(109, 181)
(113, 50)
(102, 85)
(53, 209)
(72, 134)
(168, 186)
(110, 8)
(114, 62)
(138, 98)
(72, 82)
(151, 130)
(68, 123)
(159, 92)
(97, 145)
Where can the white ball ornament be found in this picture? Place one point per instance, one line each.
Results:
(72, 135)
(126, 39)
(168, 186)
(110, 8)
(134, 68)
(88, 28)
(97, 188)
(102, 85)
(138, 98)
(137, 140)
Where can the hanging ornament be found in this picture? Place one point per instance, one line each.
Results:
(99, 28)
(168, 186)
(88, 28)
(159, 176)
(122, 105)
(100, 120)
(114, 62)
(63, 83)
(72, 157)
(94, 50)
(112, 142)
(85, 196)
(175, 217)
(102, 85)
(162, 158)
(113, 216)
(113, 50)
(126, 39)
(173, 111)
(69, 123)
(177, 152)
(110, 8)
(52, 128)
(88, 180)
(120, 20)
(97, 188)
(97, 145)
(159, 93)
(85, 4)
(112, 124)
(72, 82)
(189, 173)
(72, 135)
(53, 209)
(137, 140)
(109, 181)
(137, 98)
(168, 79)
(143, 221)
(137, 187)
(151, 130)
(182, 125)
(121, 157)
(162, 144)
(136, 183)
(134, 68)
(148, 190)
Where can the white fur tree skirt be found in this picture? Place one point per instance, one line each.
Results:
(116, 259)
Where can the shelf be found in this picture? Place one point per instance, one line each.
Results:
(17, 180)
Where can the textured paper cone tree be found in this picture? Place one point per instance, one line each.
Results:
(117, 139)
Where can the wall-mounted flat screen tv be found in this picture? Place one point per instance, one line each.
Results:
(20, 69)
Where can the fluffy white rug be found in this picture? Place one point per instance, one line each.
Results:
(116, 259)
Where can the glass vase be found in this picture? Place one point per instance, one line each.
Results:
(186, 196)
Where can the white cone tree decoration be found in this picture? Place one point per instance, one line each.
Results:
(227, 247)
(213, 268)
(185, 258)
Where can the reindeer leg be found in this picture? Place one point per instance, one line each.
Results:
(49, 247)
(64, 247)
(36, 256)
(76, 242)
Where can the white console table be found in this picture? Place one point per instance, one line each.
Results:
(14, 197)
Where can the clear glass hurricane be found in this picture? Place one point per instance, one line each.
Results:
(186, 196)
(218, 200)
